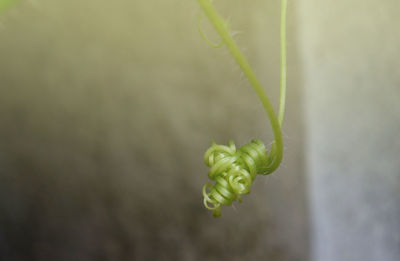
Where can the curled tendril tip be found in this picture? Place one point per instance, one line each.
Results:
(234, 170)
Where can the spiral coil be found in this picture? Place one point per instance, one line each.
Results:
(233, 171)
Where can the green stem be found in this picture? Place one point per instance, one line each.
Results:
(221, 26)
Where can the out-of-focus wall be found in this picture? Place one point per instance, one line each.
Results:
(106, 109)
(351, 56)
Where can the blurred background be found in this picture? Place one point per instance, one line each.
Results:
(107, 107)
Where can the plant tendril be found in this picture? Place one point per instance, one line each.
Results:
(204, 36)
(234, 170)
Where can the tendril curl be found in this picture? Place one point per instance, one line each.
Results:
(234, 170)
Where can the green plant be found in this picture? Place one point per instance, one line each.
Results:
(234, 170)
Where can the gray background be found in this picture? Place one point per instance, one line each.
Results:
(350, 53)
(106, 110)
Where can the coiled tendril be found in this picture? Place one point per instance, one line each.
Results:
(234, 170)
